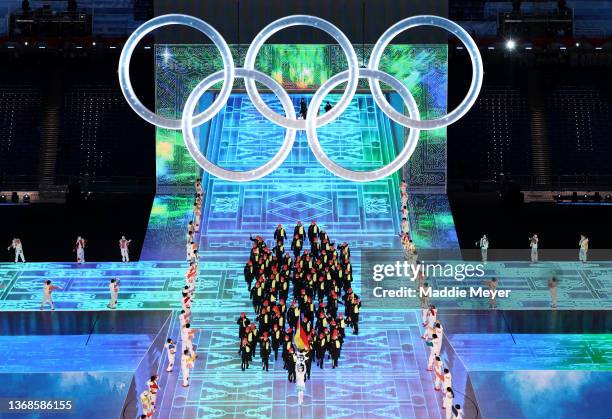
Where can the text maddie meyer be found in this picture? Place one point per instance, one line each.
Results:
(445, 292)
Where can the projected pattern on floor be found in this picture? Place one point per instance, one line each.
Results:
(505, 352)
(301, 189)
(221, 288)
(387, 339)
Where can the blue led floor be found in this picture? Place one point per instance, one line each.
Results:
(381, 375)
(156, 284)
(384, 366)
(505, 352)
(301, 189)
(62, 353)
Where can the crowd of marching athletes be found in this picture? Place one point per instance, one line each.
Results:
(297, 301)
(188, 352)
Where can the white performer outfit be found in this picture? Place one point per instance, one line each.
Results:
(47, 298)
(300, 381)
(436, 346)
(186, 364)
(184, 317)
(187, 340)
(412, 253)
(153, 389)
(18, 246)
(424, 304)
(146, 404)
(114, 294)
(439, 331)
(447, 381)
(124, 246)
(438, 373)
(583, 244)
(80, 249)
(534, 248)
(484, 248)
(189, 250)
(447, 403)
(429, 322)
(405, 225)
(171, 350)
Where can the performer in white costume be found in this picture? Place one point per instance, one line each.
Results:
(438, 373)
(18, 246)
(583, 244)
(186, 365)
(113, 287)
(533, 243)
(171, 350)
(79, 248)
(47, 297)
(447, 402)
(483, 243)
(125, 251)
(300, 378)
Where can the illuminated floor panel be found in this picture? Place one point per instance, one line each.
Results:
(505, 352)
(301, 189)
(381, 374)
(53, 353)
(384, 365)
(167, 227)
(155, 285)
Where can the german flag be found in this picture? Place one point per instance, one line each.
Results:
(301, 338)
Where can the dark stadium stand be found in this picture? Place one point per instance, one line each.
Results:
(546, 132)
(97, 133)
(19, 134)
(499, 135)
(579, 126)
(70, 123)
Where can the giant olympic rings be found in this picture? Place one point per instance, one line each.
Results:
(189, 121)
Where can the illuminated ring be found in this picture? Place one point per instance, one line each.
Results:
(369, 176)
(477, 71)
(334, 32)
(187, 125)
(158, 22)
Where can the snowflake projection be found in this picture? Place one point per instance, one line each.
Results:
(376, 206)
(225, 204)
